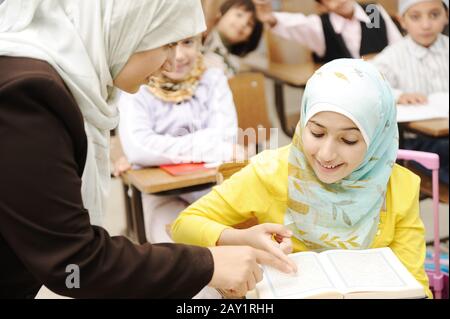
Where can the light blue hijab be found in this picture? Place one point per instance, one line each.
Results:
(344, 214)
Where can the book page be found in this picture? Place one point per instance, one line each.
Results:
(376, 270)
(437, 107)
(311, 281)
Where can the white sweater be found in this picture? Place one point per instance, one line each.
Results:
(202, 129)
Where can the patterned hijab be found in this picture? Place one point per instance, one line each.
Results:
(345, 214)
(177, 91)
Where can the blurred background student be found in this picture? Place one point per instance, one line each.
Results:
(236, 33)
(344, 30)
(183, 116)
(418, 66)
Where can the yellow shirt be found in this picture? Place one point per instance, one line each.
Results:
(261, 190)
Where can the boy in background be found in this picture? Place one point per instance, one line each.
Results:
(418, 65)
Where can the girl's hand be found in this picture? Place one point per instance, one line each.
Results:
(272, 238)
(264, 12)
(412, 98)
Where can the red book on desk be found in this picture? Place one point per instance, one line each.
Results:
(183, 169)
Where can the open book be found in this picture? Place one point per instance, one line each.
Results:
(370, 273)
(437, 107)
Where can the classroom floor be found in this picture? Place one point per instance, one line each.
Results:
(115, 221)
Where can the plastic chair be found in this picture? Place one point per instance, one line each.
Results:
(431, 162)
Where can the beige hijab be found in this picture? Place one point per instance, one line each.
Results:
(88, 43)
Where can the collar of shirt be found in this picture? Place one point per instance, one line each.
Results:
(339, 22)
(420, 52)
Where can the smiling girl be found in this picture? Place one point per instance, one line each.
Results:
(182, 116)
(335, 187)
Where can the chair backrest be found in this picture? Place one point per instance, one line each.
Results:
(426, 159)
(251, 106)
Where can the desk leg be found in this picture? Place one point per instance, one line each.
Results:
(279, 104)
(138, 215)
(131, 229)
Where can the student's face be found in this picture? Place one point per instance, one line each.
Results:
(142, 65)
(342, 7)
(236, 25)
(186, 53)
(333, 146)
(424, 21)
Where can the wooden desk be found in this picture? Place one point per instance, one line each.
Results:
(294, 75)
(433, 128)
(156, 181)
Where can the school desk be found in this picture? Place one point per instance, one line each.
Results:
(294, 75)
(156, 181)
(433, 127)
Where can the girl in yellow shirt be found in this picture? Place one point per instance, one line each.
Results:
(335, 187)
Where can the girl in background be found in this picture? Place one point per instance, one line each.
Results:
(183, 116)
(236, 34)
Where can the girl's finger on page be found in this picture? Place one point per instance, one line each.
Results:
(258, 274)
(286, 245)
(275, 249)
(268, 259)
(251, 282)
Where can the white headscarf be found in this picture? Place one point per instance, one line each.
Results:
(404, 5)
(88, 43)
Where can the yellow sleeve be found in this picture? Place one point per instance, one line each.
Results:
(239, 198)
(409, 239)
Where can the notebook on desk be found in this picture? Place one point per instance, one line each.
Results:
(437, 107)
(183, 169)
(341, 274)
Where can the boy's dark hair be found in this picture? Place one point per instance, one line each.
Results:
(243, 48)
